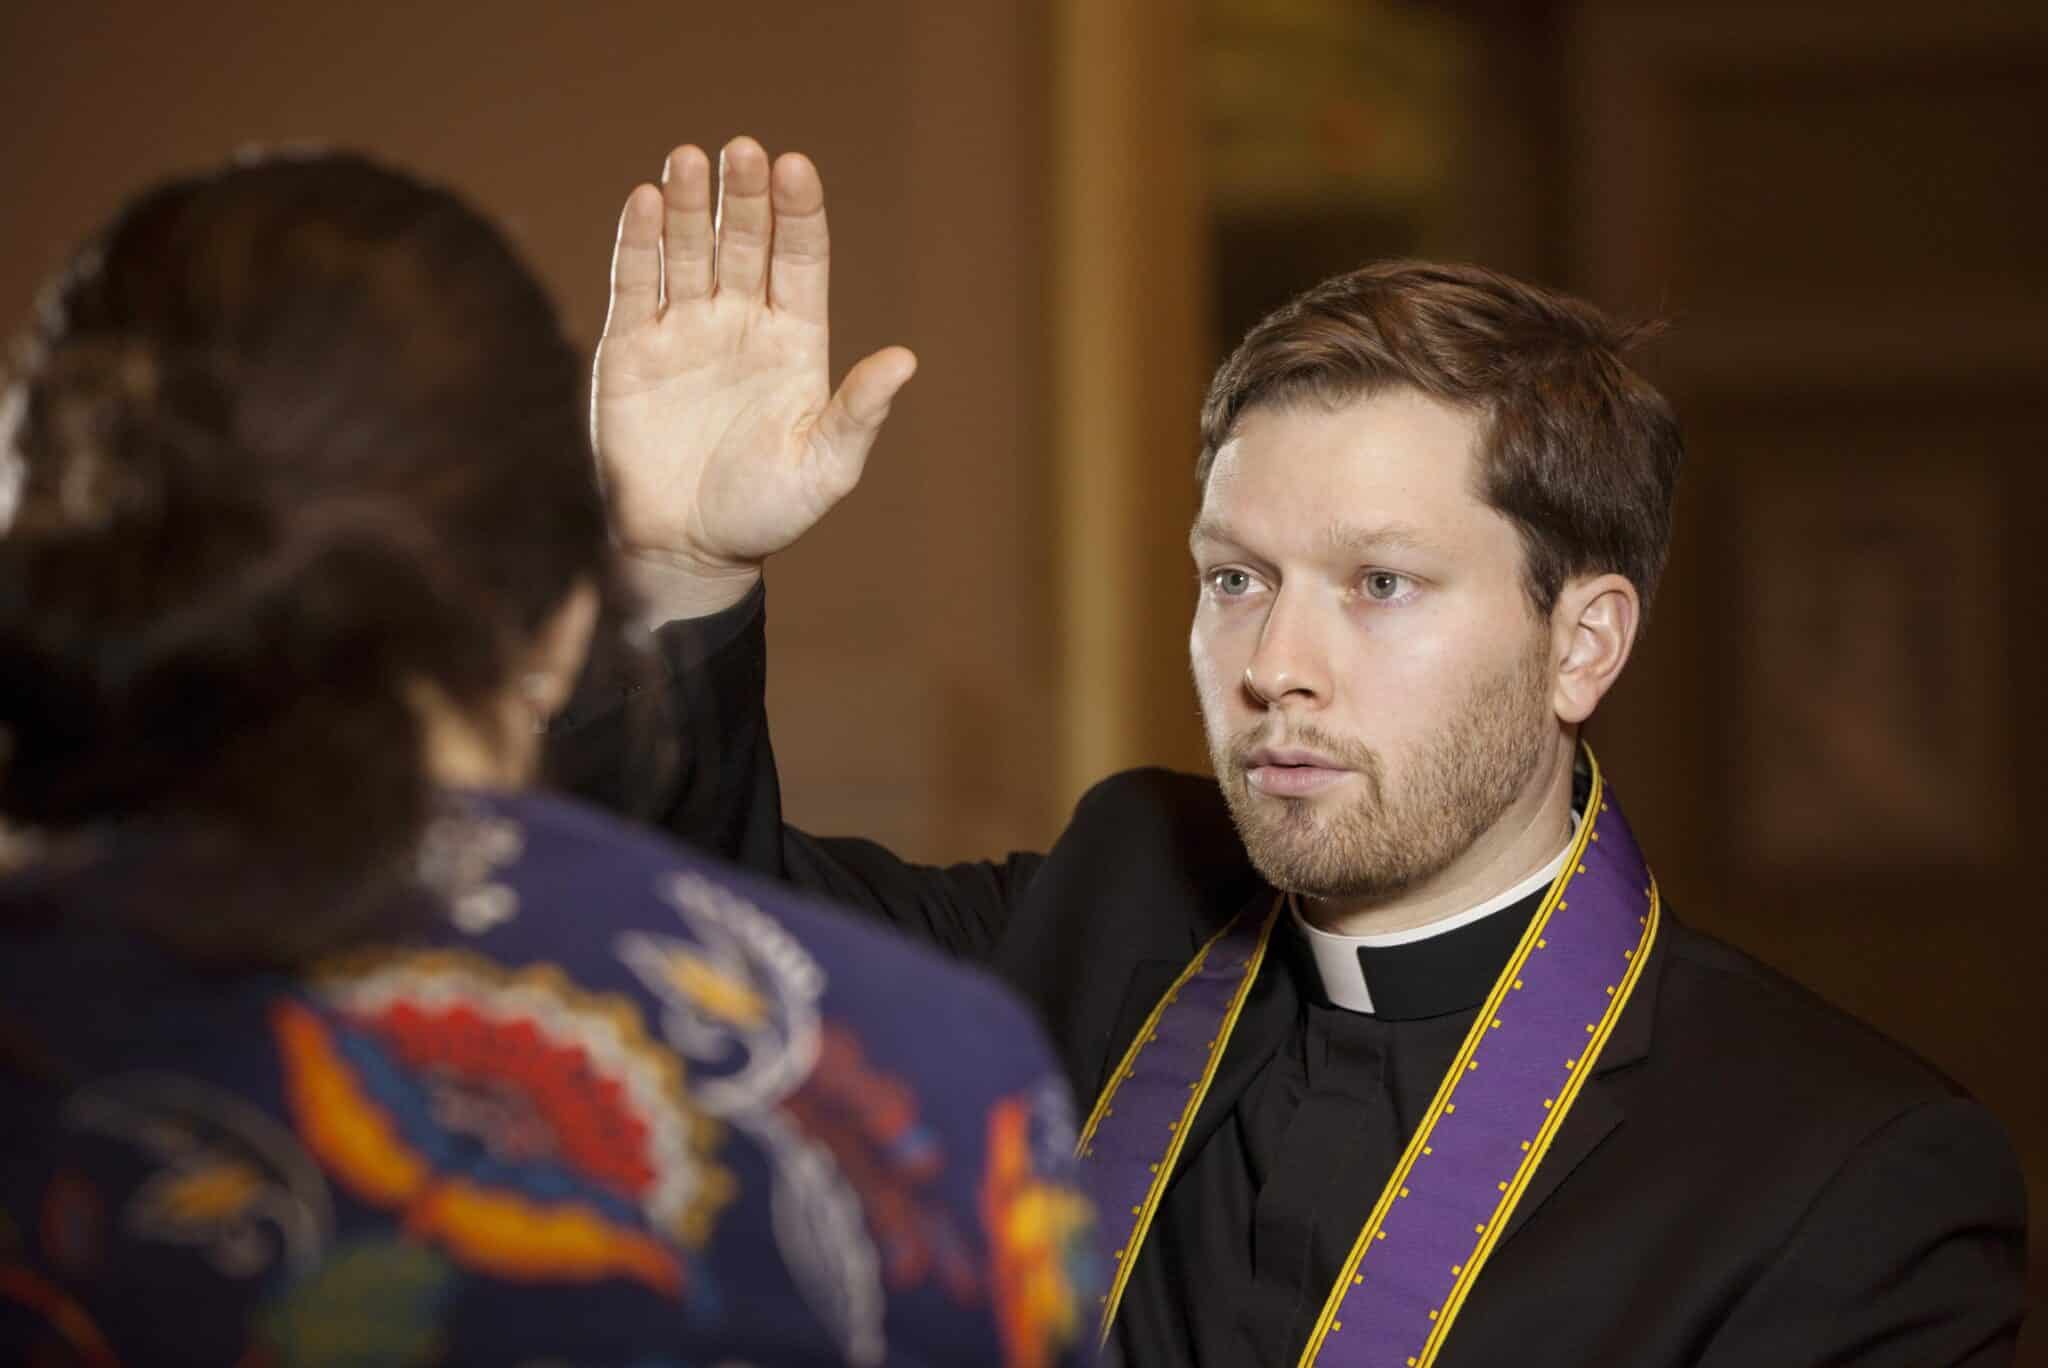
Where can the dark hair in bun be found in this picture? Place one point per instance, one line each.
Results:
(289, 436)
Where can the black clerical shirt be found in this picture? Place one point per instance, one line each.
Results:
(1266, 1212)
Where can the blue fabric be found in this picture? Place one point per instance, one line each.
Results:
(616, 1104)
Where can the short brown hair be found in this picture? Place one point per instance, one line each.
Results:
(1579, 451)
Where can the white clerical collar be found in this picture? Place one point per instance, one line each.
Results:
(1337, 958)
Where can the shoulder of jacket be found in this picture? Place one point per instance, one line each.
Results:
(1713, 986)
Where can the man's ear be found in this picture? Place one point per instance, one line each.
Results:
(1592, 630)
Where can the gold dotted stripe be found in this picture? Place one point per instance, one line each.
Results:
(1555, 1108)
(1126, 1257)
(1510, 980)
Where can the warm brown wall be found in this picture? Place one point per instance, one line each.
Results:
(1130, 358)
(1835, 725)
(912, 633)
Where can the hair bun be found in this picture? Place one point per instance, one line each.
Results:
(173, 639)
(301, 442)
(118, 424)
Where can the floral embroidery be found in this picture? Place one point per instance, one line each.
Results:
(740, 998)
(869, 1121)
(1039, 1231)
(389, 1159)
(822, 1234)
(232, 1181)
(532, 1129)
(459, 857)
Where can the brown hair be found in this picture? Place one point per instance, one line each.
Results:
(1579, 451)
(291, 434)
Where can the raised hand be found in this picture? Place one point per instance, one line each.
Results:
(718, 433)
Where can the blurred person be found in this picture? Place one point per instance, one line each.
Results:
(1399, 1056)
(323, 1037)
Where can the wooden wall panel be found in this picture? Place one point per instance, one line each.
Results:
(913, 655)
(1129, 362)
(1833, 732)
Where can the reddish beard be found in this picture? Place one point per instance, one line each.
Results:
(1377, 844)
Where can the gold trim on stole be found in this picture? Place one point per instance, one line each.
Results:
(1127, 1256)
(1488, 1018)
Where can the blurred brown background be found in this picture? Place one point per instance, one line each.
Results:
(1071, 207)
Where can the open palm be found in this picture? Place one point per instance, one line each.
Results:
(718, 433)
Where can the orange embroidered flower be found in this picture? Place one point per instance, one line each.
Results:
(532, 1131)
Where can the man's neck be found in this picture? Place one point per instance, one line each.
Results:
(1527, 837)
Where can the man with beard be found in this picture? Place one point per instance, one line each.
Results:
(1398, 1057)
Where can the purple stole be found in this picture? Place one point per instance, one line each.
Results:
(1500, 1104)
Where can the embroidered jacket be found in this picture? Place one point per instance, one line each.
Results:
(617, 1104)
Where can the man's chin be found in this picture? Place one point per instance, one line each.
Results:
(1292, 854)
(1291, 843)
(1328, 886)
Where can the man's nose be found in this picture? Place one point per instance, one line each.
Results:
(1289, 664)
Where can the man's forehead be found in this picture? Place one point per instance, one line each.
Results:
(1399, 432)
(1393, 457)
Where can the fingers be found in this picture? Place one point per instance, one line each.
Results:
(802, 248)
(765, 236)
(636, 262)
(745, 220)
(854, 417)
(686, 240)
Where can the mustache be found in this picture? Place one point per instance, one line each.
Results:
(1352, 754)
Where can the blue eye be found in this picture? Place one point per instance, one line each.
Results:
(1230, 583)
(1383, 585)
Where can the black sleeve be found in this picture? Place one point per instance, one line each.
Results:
(681, 740)
(1913, 1256)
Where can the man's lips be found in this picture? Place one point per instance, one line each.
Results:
(1288, 773)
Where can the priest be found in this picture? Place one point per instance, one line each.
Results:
(1397, 1053)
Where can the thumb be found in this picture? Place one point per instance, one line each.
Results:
(850, 423)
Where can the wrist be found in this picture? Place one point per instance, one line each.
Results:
(672, 589)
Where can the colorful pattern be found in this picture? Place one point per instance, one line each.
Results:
(224, 1177)
(868, 1121)
(852, 1160)
(529, 1128)
(740, 996)
(1040, 1231)
(621, 1105)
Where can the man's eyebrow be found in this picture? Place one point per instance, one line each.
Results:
(1391, 536)
(1345, 537)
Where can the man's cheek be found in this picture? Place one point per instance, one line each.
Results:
(1208, 669)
